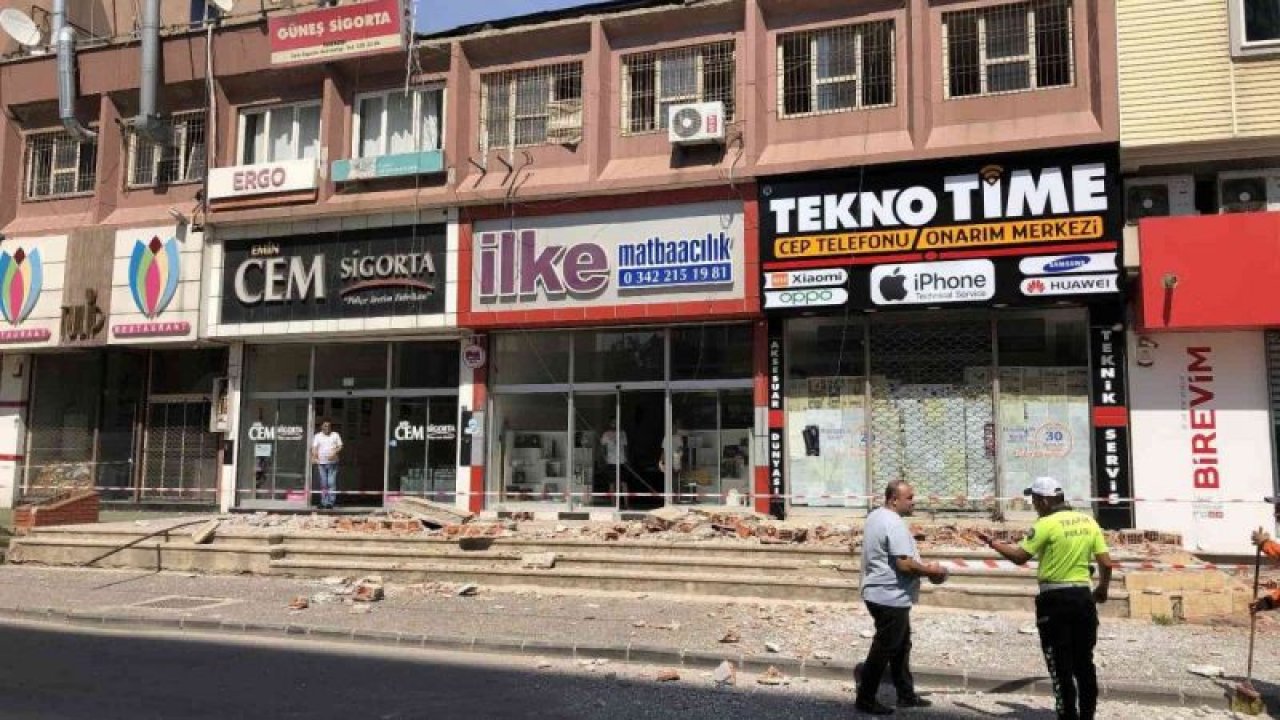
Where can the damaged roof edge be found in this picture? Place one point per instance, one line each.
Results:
(608, 7)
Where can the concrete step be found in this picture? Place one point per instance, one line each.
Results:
(736, 586)
(151, 554)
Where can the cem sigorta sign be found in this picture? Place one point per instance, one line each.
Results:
(349, 274)
(1013, 228)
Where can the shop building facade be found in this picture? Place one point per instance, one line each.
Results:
(1199, 82)
(956, 323)
(618, 368)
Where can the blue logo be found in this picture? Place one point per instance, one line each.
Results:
(1067, 264)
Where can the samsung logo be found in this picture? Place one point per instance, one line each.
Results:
(1064, 264)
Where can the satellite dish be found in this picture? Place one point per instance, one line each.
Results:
(224, 6)
(20, 27)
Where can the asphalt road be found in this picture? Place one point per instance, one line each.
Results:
(46, 673)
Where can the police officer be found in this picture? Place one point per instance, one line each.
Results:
(1065, 542)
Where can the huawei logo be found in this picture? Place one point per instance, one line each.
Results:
(1035, 287)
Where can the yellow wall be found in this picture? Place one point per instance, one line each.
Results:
(1178, 82)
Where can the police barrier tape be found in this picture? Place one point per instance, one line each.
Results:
(679, 495)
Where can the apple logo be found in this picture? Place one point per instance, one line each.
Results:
(894, 287)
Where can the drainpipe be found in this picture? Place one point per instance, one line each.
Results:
(65, 38)
(147, 123)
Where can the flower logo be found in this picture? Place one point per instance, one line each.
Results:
(153, 275)
(1035, 287)
(21, 277)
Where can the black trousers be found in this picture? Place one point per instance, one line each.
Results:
(1068, 623)
(892, 648)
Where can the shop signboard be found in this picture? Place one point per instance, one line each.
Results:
(1012, 229)
(263, 179)
(155, 285)
(640, 256)
(1202, 437)
(329, 33)
(350, 274)
(32, 271)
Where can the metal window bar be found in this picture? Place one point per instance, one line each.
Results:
(654, 81)
(59, 165)
(536, 106)
(836, 69)
(182, 160)
(1007, 49)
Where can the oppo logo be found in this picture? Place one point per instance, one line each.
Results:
(811, 297)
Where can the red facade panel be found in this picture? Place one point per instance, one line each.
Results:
(1210, 272)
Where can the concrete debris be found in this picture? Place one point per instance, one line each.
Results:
(368, 589)
(1027, 629)
(432, 514)
(467, 590)
(822, 655)
(773, 676)
(725, 674)
(203, 534)
(773, 647)
(299, 603)
(1209, 671)
(731, 636)
(667, 675)
(538, 561)
(323, 598)
(868, 634)
(543, 664)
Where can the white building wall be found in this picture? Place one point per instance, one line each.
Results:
(1202, 448)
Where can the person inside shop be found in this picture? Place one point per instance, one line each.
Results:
(326, 447)
(613, 442)
(1271, 599)
(678, 443)
(1066, 542)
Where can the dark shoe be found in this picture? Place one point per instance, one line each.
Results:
(872, 708)
(915, 701)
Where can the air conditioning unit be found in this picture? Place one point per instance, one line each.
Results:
(1159, 197)
(695, 123)
(564, 122)
(1249, 190)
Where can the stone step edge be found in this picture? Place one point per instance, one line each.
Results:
(798, 548)
(799, 581)
(480, 555)
(631, 653)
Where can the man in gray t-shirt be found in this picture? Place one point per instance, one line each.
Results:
(891, 572)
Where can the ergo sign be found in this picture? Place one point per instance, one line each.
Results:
(262, 179)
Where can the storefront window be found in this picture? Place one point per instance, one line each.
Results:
(273, 450)
(619, 356)
(278, 368)
(422, 446)
(826, 412)
(531, 358)
(358, 366)
(1044, 399)
(709, 446)
(62, 421)
(424, 365)
(711, 352)
(932, 416)
(530, 446)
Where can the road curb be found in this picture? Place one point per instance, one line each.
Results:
(941, 678)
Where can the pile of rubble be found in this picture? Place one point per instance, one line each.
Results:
(675, 524)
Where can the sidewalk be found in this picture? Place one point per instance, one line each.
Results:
(1137, 661)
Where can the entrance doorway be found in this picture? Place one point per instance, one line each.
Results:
(618, 446)
(361, 423)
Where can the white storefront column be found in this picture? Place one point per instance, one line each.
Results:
(14, 385)
(1202, 449)
(227, 478)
